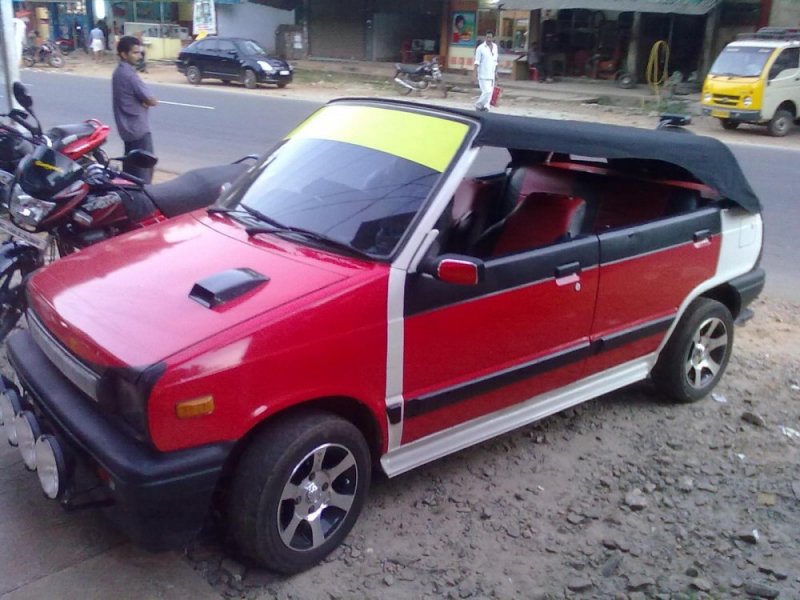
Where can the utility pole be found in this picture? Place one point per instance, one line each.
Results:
(8, 51)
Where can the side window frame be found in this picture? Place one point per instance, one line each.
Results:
(788, 59)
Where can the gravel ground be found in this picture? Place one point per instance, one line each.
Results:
(627, 496)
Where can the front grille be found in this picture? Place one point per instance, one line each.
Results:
(73, 369)
(726, 99)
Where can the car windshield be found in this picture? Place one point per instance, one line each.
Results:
(742, 61)
(250, 47)
(355, 175)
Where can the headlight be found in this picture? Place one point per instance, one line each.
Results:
(27, 211)
(268, 68)
(707, 97)
(747, 101)
(131, 405)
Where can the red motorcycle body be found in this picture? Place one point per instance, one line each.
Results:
(85, 144)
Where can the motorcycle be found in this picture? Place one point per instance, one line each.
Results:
(66, 45)
(58, 207)
(427, 74)
(47, 52)
(79, 141)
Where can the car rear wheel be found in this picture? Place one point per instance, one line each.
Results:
(194, 75)
(249, 79)
(697, 353)
(781, 123)
(299, 489)
(729, 124)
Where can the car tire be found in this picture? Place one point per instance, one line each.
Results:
(194, 75)
(282, 85)
(697, 353)
(288, 474)
(249, 79)
(781, 123)
(729, 124)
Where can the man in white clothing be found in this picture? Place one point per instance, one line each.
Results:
(485, 70)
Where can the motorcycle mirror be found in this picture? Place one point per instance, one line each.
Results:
(22, 96)
(141, 158)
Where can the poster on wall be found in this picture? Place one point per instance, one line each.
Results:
(463, 26)
(205, 18)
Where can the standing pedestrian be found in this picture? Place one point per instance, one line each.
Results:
(486, 70)
(98, 42)
(132, 100)
(104, 28)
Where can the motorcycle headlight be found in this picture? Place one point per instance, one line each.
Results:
(747, 101)
(268, 68)
(27, 211)
(707, 97)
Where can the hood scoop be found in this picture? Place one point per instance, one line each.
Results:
(223, 287)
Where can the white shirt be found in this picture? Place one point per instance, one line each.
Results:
(486, 61)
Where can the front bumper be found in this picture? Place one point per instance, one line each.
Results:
(735, 114)
(158, 499)
(275, 77)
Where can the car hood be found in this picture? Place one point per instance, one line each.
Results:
(127, 302)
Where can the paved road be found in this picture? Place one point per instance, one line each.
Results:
(192, 127)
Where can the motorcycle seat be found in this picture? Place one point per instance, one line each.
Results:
(64, 135)
(411, 69)
(194, 189)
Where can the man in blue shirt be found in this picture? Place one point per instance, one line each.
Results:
(132, 101)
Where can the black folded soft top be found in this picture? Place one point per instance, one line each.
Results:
(706, 159)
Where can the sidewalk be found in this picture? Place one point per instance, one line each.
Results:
(579, 90)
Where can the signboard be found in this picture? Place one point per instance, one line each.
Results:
(463, 29)
(204, 18)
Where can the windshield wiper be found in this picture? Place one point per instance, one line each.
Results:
(311, 235)
(278, 227)
(274, 226)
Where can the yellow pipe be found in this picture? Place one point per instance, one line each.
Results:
(654, 77)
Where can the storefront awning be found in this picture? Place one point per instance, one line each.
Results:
(680, 7)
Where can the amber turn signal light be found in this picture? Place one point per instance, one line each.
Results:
(196, 407)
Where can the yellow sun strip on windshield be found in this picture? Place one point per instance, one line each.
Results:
(424, 139)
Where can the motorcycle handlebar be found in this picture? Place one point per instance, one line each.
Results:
(129, 177)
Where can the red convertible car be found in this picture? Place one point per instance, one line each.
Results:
(373, 294)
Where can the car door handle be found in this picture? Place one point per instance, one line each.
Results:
(567, 269)
(701, 235)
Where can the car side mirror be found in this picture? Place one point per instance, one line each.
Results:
(457, 269)
(232, 52)
(22, 96)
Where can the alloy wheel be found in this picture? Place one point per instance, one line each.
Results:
(317, 497)
(707, 353)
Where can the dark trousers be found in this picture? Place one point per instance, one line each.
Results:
(143, 143)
